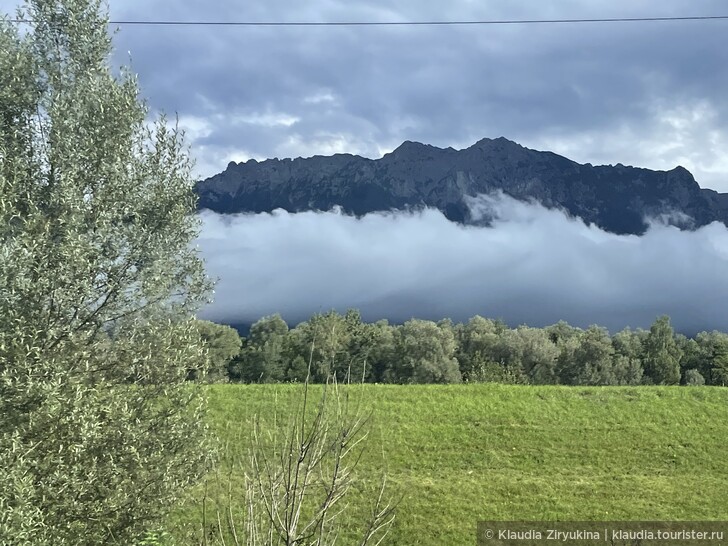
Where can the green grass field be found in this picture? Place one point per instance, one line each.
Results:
(457, 454)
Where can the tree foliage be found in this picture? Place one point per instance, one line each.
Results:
(477, 340)
(424, 353)
(265, 355)
(595, 353)
(222, 343)
(483, 350)
(693, 378)
(98, 286)
(719, 371)
(662, 354)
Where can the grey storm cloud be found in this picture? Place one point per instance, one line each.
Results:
(648, 94)
(533, 265)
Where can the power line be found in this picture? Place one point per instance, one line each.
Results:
(402, 23)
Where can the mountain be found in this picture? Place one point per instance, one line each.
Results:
(616, 198)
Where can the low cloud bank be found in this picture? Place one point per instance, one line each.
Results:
(533, 265)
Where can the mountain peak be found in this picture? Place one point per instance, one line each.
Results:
(495, 143)
(615, 198)
(410, 147)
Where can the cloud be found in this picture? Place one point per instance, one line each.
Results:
(534, 265)
(647, 94)
(601, 93)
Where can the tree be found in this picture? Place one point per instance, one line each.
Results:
(693, 378)
(371, 348)
(627, 359)
(719, 372)
(99, 283)
(476, 341)
(566, 339)
(265, 356)
(662, 354)
(594, 357)
(710, 360)
(325, 338)
(567, 367)
(561, 332)
(626, 371)
(628, 343)
(222, 343)
(424, 353)
(539, 355)
(508, 353)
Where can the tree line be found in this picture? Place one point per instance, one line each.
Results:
(479, 350)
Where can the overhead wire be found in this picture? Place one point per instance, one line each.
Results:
(151, 22)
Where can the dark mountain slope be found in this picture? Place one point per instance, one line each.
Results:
(616, 198)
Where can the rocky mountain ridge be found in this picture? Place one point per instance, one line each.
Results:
(616, 198)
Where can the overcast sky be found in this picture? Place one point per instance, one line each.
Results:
(645, 94)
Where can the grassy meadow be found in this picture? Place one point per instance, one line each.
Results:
(456, 454)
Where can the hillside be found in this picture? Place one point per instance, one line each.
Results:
(459, 454)
(616, 198)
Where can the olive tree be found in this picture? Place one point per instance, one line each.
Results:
(99, 283)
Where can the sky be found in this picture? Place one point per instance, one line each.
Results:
(644, 94)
